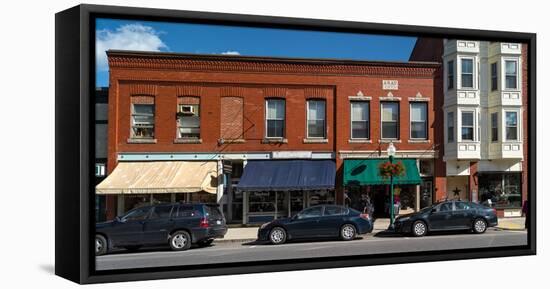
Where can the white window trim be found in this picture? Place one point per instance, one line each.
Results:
(178, 126)
(447, 127)
(474, 125)
(410, 120)
(307, 119)
(133, 122)
(518, 125)
(397, 121)
(474, 72)
(447, 74)
(266, 119)
(503, 73)
(351, 121)
(491, 127)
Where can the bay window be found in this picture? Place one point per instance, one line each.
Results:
(468, 125)
(511, 125)
(511, 74)
(467, 73)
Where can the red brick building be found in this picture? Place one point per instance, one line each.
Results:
(185, 127)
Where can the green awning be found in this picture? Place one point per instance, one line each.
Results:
(367, 172)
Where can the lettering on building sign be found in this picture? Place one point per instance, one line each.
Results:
(390, 84)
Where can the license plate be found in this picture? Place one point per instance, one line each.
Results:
(218, 222)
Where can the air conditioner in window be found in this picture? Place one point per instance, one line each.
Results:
(186, 109)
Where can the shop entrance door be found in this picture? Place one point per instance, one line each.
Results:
(426, 193)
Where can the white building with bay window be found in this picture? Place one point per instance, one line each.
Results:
(483, 114)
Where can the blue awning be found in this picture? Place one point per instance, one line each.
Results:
(288, 175)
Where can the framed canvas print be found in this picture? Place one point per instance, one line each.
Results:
(198, 144)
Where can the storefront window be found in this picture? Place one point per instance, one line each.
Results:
(261, 202)
(296, 202)
(321, 197)
(136, 201)
(161, 198)
(503, 189)
(203, 197)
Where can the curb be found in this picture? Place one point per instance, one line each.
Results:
(234, 240)
(510, 229)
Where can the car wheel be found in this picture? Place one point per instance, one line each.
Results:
(277, 236)
(205, 243)
(132, 248)
(419, 229)
(180, 240)
(100, 245)
(348, 232)
(479, 226)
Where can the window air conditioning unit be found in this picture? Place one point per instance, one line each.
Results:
(186, 109)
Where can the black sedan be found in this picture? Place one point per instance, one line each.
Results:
(322, 221)
(447, 216)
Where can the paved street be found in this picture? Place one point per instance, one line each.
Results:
(370, 244)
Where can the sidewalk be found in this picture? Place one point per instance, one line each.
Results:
(249, 234)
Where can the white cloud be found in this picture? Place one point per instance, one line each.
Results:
(126, 37)
(230, 52)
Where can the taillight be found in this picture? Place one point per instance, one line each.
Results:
(204, 223)
(494, 210)
(364, 216)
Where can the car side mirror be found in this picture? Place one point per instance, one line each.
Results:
(119, 219)
(433, 211)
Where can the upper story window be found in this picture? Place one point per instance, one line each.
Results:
(494, 77)
(511, 125)
(143, 121)
(494, 126)
(316, 118)
(419, 120)
(467, 74)
(360, 120)
(275, 118)
(511, 74)
(189, 122)
(390, 120)
(468, 125)
(450, 127)
(450, 74)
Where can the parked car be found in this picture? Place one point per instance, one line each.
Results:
(448, 216)
(176, 224)
(320, 221)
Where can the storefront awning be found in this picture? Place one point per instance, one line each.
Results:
(367, 172)
(160, 177)
(288, 175)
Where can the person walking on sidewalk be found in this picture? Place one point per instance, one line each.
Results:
(525, 213)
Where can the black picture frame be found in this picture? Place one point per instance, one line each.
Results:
(74, 88)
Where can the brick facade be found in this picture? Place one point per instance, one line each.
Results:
(232, 92)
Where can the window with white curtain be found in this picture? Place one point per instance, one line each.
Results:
(316, 118)
(275, 118)
(419, 120)
(390, 120)
(360, 122)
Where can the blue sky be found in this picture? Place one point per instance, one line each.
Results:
(217, 39)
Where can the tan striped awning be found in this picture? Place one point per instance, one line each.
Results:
(161, 177)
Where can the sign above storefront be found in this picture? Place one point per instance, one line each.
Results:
(390, 84)
(292, 155)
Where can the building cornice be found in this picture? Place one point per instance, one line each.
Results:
(231, 63)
